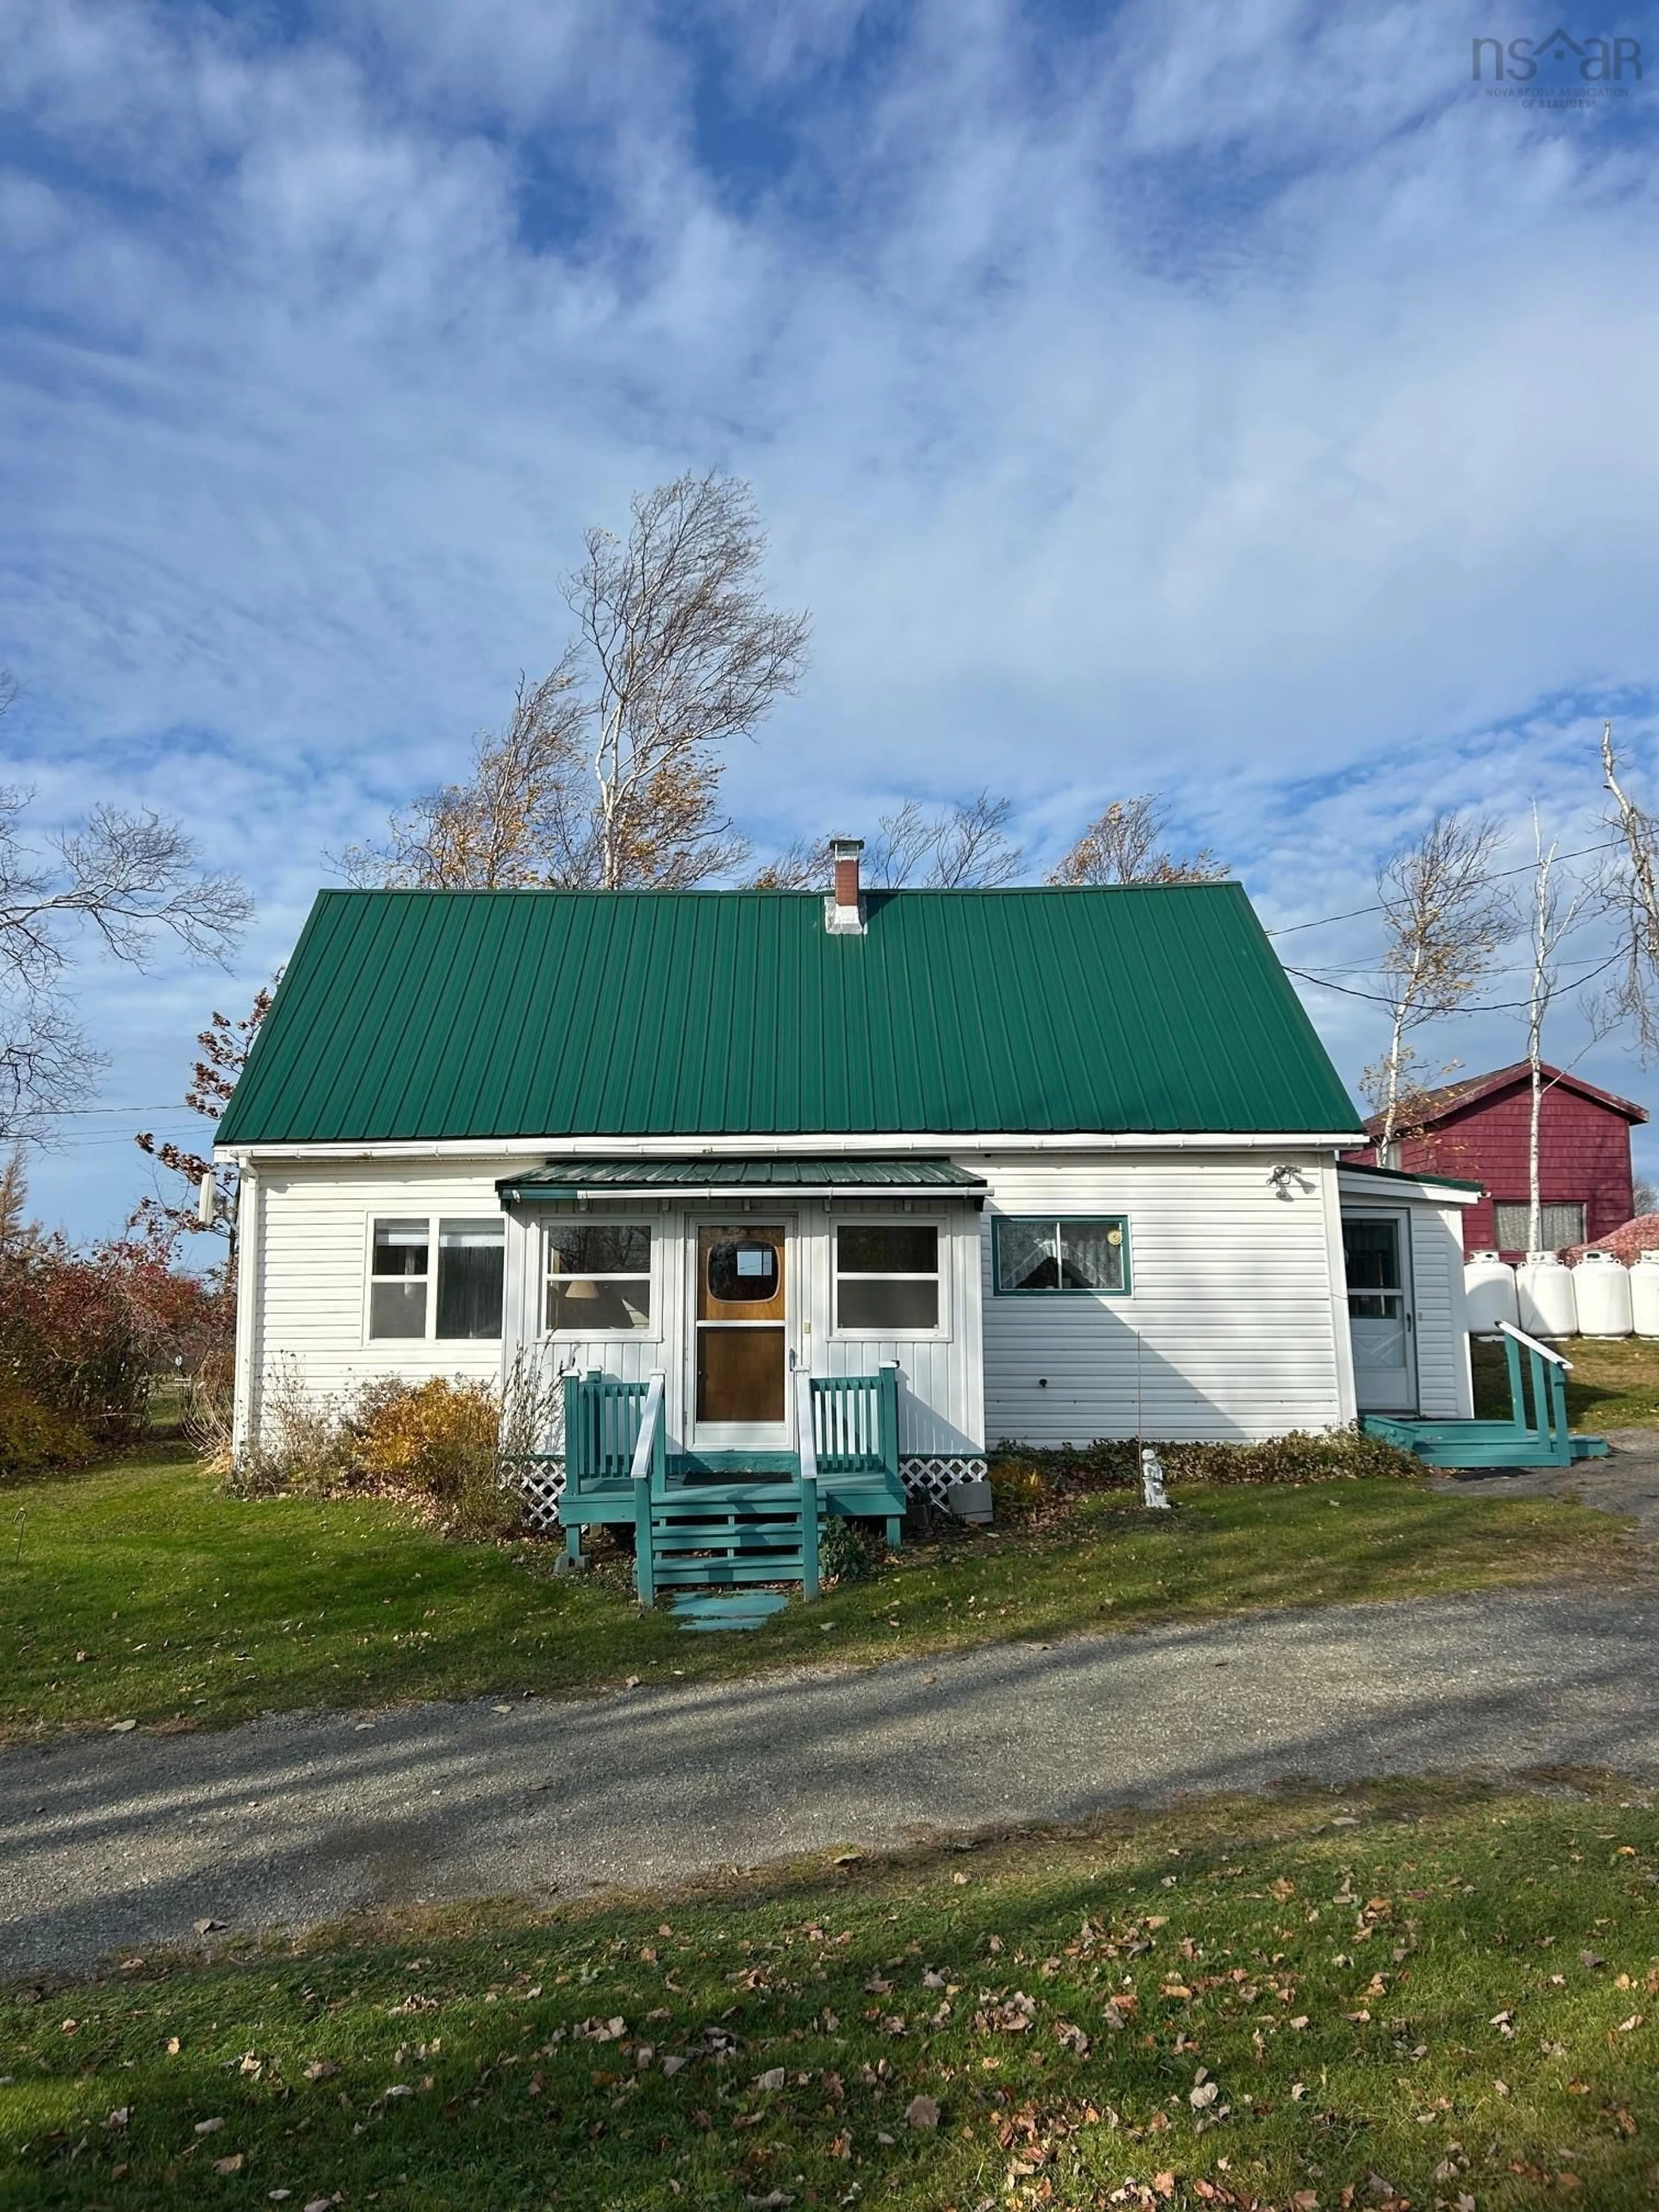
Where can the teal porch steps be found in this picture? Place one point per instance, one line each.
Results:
(702, 1540)
(1468, 1445)
(1536, 1434)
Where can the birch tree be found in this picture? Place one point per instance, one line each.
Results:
(680, 654)
(1557, 904)
(1444, 918)
(1125, 845)
(608, 772)
(1632, 892)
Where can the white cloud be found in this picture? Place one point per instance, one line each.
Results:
(1209, 400)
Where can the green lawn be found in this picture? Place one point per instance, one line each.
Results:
(1392, 1996)
(143, 1593)
(1614, 1383)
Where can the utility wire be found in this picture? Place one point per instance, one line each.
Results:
(1288, 928)
(1486, 1006)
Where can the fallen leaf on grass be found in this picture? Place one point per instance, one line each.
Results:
(320, 2069)
(122, 1728)
(772, 2079)
(922, 2112)
(208, 2127)
(233, 2164)
(1206, 2094)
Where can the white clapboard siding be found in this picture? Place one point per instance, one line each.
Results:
(1230, 1332)
(940, 1406)
(1229, 1329)
(306, 1276)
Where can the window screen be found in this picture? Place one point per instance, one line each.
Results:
(887, 1277)
(471, 1255)
(397, 1294)
(1559, 1226)
(599, 1277)
(1071, 1254)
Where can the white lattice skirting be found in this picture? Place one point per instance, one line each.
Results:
(931, 1478)
(543, 1484)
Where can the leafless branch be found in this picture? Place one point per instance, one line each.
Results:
(1443, 918)
(1629, 893)
(128, 880)
(965, 846)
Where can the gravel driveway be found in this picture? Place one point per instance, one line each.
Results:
(110, 1843)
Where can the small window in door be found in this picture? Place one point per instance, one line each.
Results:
(742, 1271)
(1371, 1250)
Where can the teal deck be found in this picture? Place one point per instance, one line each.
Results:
(1535, 1434)
(716, 1523)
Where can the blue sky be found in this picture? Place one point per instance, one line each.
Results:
(1228, 399)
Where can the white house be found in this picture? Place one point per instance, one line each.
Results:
(1041, 1166)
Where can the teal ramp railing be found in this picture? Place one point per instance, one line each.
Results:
(649, 1468)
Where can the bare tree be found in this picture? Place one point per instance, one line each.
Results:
(608, 772)
(964, 847)
(128, 881)
(681, 654)
(1630, 893)
(1557, 905)
(1124, 846)
(222, 1049)
(1444, 917)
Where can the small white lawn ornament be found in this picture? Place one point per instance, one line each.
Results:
(1151, 1480)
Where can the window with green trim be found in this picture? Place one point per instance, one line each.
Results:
(1058, 1254)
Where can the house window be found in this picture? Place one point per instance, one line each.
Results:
(397, 1296)
(467, 1278)
(887, 1277)
(598, 1278)
(1060, 1256)
(1559, 1226)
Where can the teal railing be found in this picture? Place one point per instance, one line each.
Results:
(649, 1468)
(807, 1482)
(602, 1419)
(856, 1422)
(1547, 1373)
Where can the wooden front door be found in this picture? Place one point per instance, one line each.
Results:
(742, 1357)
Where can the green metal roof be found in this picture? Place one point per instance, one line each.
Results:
(1410, 1175)
(567, 1179)
(433, 1015)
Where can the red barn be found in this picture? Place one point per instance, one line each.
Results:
(1477, 1131)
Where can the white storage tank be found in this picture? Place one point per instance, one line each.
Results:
(1489, 1291)
(1644, 1294)
(1600, 1287)
(1543, 1284)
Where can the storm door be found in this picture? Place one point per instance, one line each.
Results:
(1376, 1251)
(741, 1357)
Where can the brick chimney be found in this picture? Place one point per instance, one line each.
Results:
(844, 910)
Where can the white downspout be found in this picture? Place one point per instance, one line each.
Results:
(250, 1260)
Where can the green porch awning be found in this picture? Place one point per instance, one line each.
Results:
(739, 1178)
